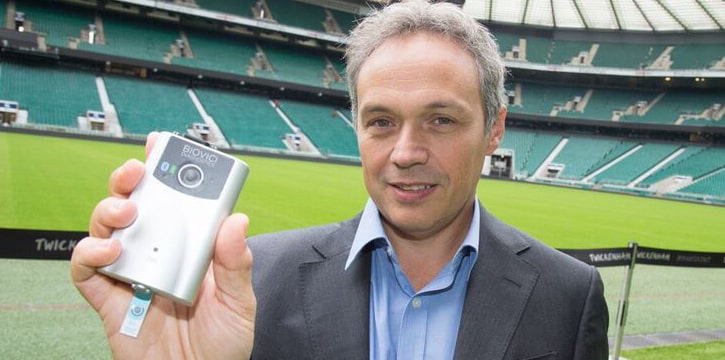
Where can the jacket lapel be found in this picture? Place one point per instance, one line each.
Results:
(498, 290)
(336, 301)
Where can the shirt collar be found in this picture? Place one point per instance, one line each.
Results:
(371, 229)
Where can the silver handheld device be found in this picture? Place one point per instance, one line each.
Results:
(187, 191)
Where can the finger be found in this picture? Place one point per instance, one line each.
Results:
(110, 214)
(233, 260)
(91, 253)
(150, 141)
(125, 178)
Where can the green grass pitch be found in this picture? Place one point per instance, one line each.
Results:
(54, 183)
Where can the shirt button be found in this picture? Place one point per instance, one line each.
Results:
(417, 302)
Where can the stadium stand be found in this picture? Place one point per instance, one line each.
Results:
(302, 15)
(628, 168)
(570, 52)
(60, 26)
(545, 99)
(43, 92)
(219, 52)
(246, 120)
(294, 65)
(581, 153)
(145, 106)
(262, 128)
(674, 106)
(607, 104)
(330, 133)
(711, 184)
(530, 148)
(696, 56)
(134, 38)
(697, 162)
(627, 56)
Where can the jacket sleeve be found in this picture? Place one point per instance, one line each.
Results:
(592, 342)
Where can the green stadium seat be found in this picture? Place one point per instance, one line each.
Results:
(43, 92)
(245, 120)
(331, 134)
(145, 105)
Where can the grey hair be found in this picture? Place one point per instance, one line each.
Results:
(444, 19)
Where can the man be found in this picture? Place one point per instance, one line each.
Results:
(424, 272)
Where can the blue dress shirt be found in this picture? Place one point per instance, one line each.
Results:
(405, 324)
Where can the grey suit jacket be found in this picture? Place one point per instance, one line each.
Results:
(524, 299)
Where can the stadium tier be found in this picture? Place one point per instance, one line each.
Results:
(635, 163)
(43, 92)
(145, 106)
(260, 121)
(245, 120)
(327, 129)
(582, 153)
(220, 52)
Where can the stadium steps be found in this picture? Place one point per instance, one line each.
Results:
(247, 121)
(331, 134)
(144, 105)
(581, 153)
(59, 25)
(712, 184)
(218, 52)
(657, 167)
(628, 167)
(215, 136)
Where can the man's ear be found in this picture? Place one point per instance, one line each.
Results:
(497, 131)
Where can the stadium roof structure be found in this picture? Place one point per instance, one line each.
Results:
(606, 15)
(617, 15)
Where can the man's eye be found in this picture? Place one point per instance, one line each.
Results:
(443, 121)
(381, 123)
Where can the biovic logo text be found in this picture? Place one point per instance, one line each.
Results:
(198, 155)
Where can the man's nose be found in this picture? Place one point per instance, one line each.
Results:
(410, 148)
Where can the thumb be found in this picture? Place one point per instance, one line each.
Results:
(233, 261)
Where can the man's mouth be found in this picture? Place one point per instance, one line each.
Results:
(418, 187)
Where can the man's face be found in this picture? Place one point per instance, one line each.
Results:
(420, 129)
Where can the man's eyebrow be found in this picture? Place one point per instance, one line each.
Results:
(373, 108)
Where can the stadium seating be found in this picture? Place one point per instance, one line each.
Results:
(294, 65)
(604, 103)
(667, 108)
(145, 106)
(696, 56)
(635, 164)
(563, 51)
(59, 25)
(298, 14)
(43, 92)
(627, 56)
(135, 38)
(713, 184)
(696, 162)
(245, 120)
(219, 52)
(581, 153)
(541, 99)
(530, 147)
(331, 134)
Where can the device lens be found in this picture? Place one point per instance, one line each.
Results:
(191, 176)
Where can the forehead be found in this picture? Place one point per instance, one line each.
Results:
(409, 49)
(420, 65)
